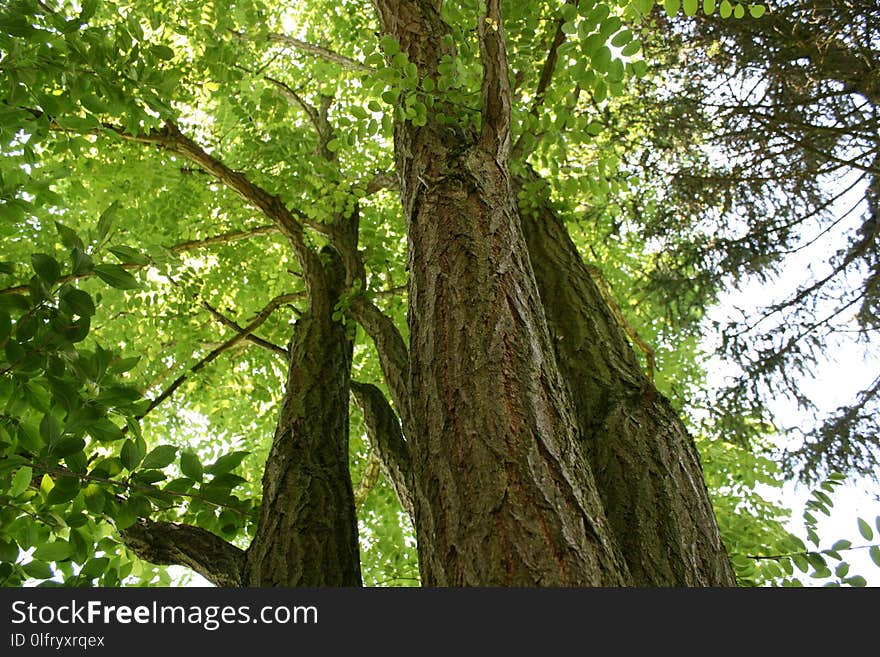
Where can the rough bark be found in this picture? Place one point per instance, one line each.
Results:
(646, 465)
(386, 439)
(167, 543)
(502, 494)
(307, 532)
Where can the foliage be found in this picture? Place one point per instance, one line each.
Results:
(204, 290)
(765, 176)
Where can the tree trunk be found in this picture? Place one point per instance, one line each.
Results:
(502, 492)
(646, 465)
(307, 533)
(519, 478)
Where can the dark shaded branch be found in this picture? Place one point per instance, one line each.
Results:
(167, 543)
(224, 238)
(250, 337)
(393, 354)
(261, 317)
(317, 115)
(386, 439)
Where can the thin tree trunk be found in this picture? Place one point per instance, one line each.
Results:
(307, 533)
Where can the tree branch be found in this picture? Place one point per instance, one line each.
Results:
(320, 52)
(167, 543)
(289, 222)
(386, 439)
(495, 136)
(250, 337)
(393, 354)
(368, 479)
(544, 80)
(261, 317)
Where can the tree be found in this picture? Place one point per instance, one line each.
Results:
(508, 412)
(785, 107)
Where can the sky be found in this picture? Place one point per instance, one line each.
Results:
(846, 367)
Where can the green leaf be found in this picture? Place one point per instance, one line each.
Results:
(124, 364)
(621, 38)
(726, 9)
(8, 551)
(389, 44)
(159, 457)
(874, 552)
(162, 52)
(88, 10)
(817, 561)
(739, 11)
(631, 48)
(190, 465)
(104, 430)
(81, 262)
(130, 455)
(50, 430)
(226, 463)
(856, 580)
(865, 530)
(127, 254)
(14, 302)
(105, 221)
(68, 446)
(117, 277)
(64, 490)
(46, 266)
(69, 238)
(38, 570)
(21, 481)
(95, 567)
(841, 545)
(80, 302)
(690, 7)
(94, 498)
(59, 550)
(671, 7)
(643, 6)
(757, 10)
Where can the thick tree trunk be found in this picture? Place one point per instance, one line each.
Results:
(646, 465)
(511, 479)
(307, 533)
(502, 494)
